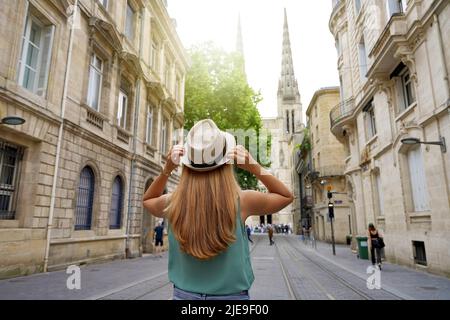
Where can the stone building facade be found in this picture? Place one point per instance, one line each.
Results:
(393, 61)
(100, 85)
(327, 169)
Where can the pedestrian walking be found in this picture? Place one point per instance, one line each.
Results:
(209, 256)
(249, 233)
(376, 243)
(158, 238)
(270, 232)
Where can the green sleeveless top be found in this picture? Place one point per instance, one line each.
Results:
(228, 273)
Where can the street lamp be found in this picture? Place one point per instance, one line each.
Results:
(414, 141)
(13, 121)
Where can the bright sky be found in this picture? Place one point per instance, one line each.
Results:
(313, 47)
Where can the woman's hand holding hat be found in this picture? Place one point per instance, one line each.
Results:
(244, 160)
(173, 159)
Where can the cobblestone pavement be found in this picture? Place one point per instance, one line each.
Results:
(285, 271)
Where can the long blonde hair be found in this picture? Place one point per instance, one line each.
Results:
(202, 211)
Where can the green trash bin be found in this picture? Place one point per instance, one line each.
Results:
(363, 248)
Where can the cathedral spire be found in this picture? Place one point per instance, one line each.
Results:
(288, 87)
(240, 44)
(239, 40)
(289, 104)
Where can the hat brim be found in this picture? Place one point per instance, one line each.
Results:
(231, 143)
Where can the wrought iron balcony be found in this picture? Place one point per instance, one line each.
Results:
(341, 112)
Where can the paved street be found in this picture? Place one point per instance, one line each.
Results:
(288, 270)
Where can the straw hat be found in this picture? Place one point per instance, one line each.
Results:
(206, 147)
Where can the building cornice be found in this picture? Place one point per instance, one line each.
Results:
(319, 93)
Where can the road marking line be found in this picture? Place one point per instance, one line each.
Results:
(330, 297)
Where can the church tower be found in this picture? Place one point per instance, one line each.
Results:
(240, 44)
(289, 105)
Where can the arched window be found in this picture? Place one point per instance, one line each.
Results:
(115, 215)
(85, 200)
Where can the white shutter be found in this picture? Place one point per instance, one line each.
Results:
(122, 109)
(24, 44)
(47, 43)
(418, 180)
(90, 98)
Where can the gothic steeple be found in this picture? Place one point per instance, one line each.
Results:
(289, 105)
(239, 40)
(240, 44)
(288, 87)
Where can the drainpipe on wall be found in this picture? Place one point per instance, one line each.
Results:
(135, 132)
(60, 135)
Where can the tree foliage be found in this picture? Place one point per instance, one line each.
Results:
(217, 89)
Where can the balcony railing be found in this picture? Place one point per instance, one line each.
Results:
(331, 171)
(123, 135)
(94, 118)
(341, 111)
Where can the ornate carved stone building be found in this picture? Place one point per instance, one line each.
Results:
(100, 84)
(393, 61)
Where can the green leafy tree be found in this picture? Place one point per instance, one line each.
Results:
(217, 89)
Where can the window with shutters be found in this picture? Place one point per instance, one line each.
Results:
(115, 216)
(85, 200)
(95, 82)
(10, 162)
(34, 63)
(419, 191)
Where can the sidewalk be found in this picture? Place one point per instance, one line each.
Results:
(403, 281)
(97, 280)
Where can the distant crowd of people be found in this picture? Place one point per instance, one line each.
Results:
(264, 228)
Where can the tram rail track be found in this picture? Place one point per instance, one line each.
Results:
(340, 279)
